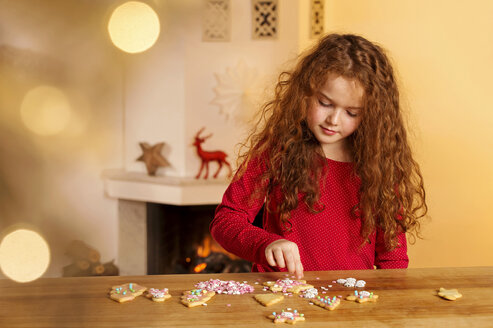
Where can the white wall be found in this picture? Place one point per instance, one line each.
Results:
(205, 59)
(155, 94)
(169, 89)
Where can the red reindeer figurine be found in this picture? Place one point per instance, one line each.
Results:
(209, 156)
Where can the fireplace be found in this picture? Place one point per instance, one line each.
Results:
(178, 241)
(163, 224)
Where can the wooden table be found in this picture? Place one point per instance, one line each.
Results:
(407, 298)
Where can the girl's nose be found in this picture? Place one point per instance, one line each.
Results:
(333, 117)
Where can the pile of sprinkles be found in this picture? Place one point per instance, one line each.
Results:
(230, 287)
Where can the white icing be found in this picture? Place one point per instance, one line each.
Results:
(360, 283)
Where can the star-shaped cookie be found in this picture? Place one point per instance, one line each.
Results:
(152, 157)
(287, 317)
(362, 297)
(449, 294)
(287, 285)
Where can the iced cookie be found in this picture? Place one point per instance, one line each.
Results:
(268, 299)
(327, 302)
(449, 294)
(158, 295)
(288, 285)
(196, 297)
(287, 317)
(126, 292)
(362, 297)
(310, 293)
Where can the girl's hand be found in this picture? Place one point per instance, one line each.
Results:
(284, 253)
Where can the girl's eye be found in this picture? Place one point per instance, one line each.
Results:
(351, 114)
(324, 104)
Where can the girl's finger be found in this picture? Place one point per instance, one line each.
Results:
(279, 257)
(290, 262)
(298, 271)
(270, 258)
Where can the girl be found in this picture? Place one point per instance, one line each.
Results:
(331, 160)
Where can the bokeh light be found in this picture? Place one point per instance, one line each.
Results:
(24, 255)
(45, 110)
(134, 27)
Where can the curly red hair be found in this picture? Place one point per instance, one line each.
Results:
(392, 194)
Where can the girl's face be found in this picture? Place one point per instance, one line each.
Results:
(335, 113)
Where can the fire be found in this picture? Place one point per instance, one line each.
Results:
(209, 245)
(205, 249)
(200, 267)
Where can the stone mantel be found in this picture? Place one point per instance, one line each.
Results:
(141, 187)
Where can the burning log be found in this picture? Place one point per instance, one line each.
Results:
(218, 262)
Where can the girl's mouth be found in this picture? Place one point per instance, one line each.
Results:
(328, 131)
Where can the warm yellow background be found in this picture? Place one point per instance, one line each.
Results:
(443, 55)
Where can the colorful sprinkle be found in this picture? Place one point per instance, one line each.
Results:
(225, 287)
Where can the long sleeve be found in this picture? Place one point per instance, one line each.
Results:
(395, 259)
(232, 226)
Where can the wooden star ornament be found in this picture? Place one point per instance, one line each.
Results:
(152, 157)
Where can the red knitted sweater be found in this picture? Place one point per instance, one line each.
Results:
(329, 240)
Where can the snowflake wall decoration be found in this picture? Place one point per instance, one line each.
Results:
(238, 92)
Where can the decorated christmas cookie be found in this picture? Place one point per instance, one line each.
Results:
(327, 302)
(126, 292)
(449, 294)
(196, 297)
(268, 299)
(287, 285)
(287, 317)
(362, 297)
(158, 295)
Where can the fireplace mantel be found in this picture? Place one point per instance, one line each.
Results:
(162, 189)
